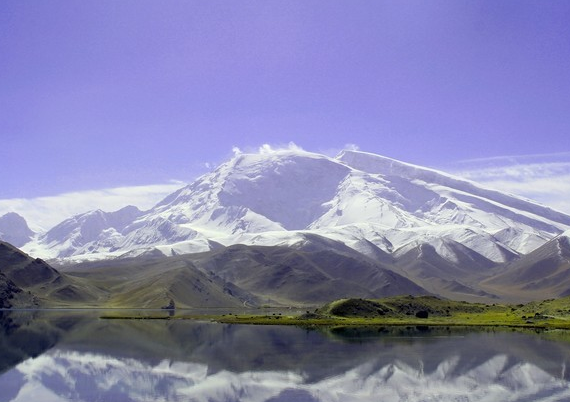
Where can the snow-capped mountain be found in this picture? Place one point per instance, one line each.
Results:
(373, 204)
(14, 229)
(89, 232)
(270, 198)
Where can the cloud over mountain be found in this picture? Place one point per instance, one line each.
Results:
(43, 213)
(544, 178)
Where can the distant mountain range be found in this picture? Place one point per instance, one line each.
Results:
(305, 221)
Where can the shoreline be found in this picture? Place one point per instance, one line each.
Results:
(390, 311)
(547, 323)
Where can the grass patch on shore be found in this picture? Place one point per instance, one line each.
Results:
(404, 310)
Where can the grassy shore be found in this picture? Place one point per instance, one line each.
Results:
(405, 310)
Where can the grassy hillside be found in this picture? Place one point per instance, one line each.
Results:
(154, 282)
(240, 275)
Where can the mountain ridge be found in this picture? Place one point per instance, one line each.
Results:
(377, 206)
(289, 191)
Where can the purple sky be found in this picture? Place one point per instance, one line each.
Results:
(98, 93)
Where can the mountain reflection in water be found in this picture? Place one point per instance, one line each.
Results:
(59, 357)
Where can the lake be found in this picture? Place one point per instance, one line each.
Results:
(75, 356)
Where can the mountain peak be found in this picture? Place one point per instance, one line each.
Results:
(14, 229)
(241, 160)
(288, 187)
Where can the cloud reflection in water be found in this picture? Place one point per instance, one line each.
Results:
(62, 375)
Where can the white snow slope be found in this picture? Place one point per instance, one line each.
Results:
(367, 201)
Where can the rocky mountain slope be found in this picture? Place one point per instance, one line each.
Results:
(29, 282)
(287, 275)
(543, 273)
(241, 275)
(149, 282)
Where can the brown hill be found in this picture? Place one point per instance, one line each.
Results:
(543, 273)
(29, 282)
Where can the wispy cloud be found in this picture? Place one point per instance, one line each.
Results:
(332, 152)
(43, 213)
(544, 178)
(269, 148)
(517, 159)
(266, 148)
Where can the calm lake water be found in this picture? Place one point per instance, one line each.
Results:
(78, 357)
